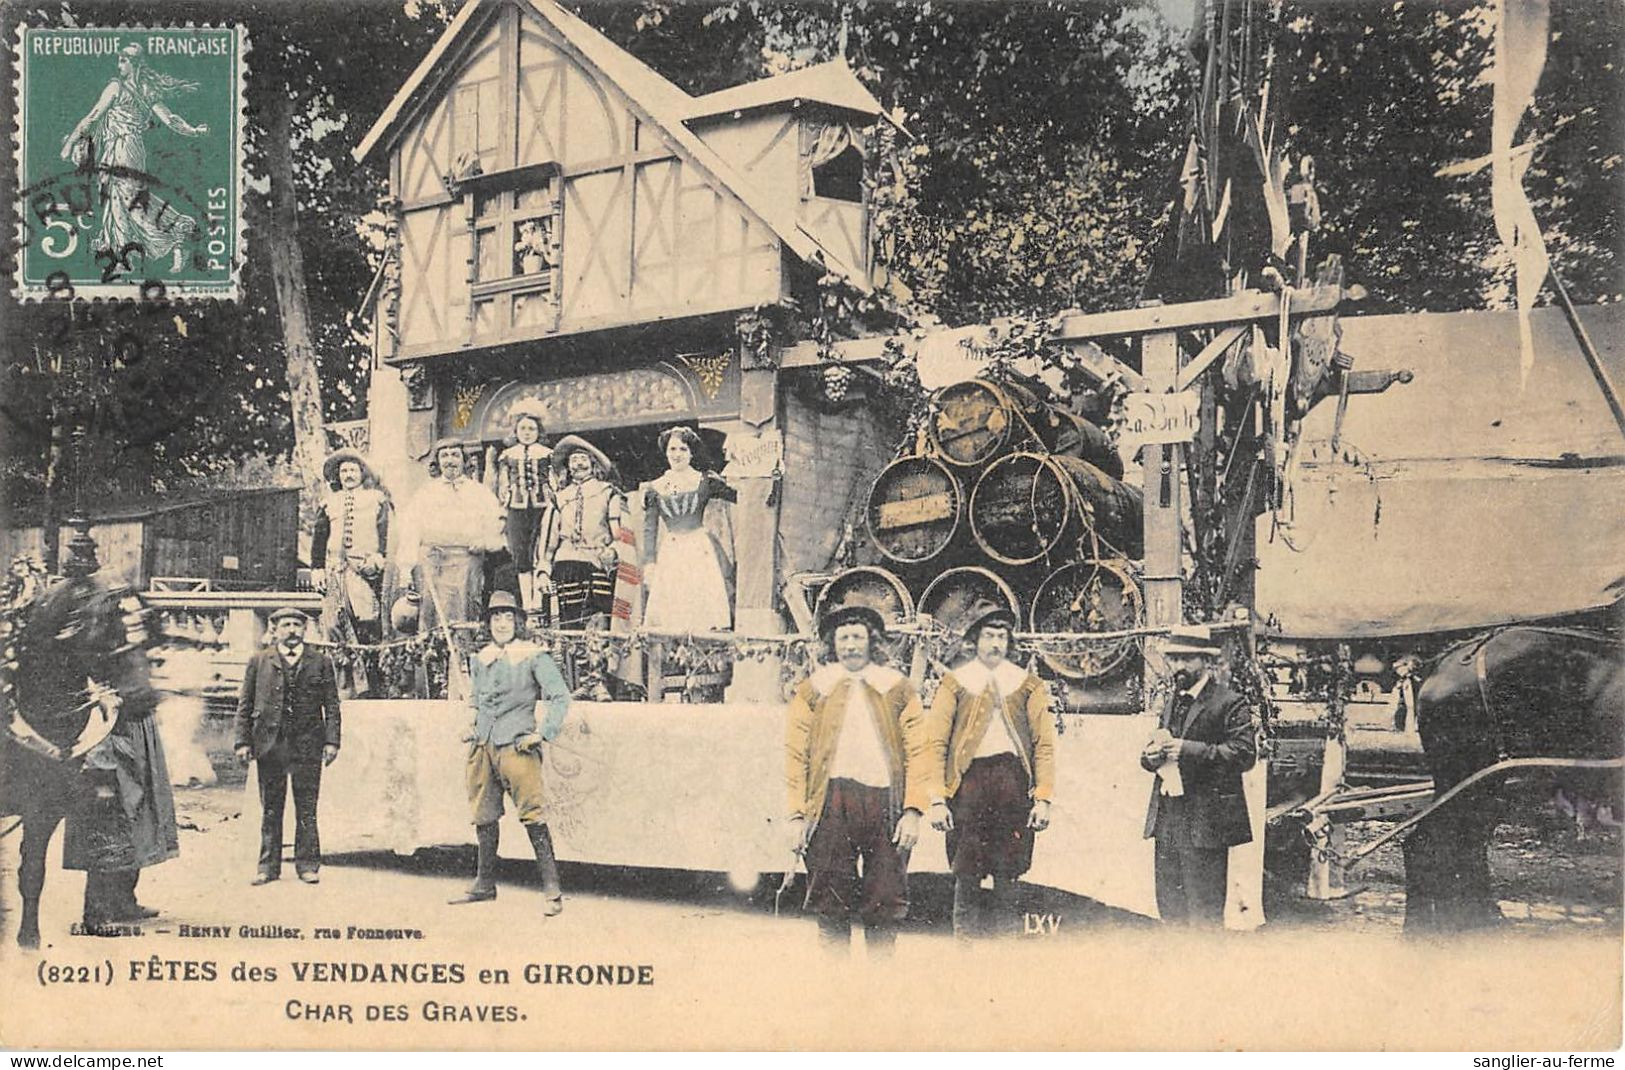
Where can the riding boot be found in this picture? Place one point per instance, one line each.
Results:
(484, 887)
(1006, 919)
(541, 841)
(101, 898)
(129, 908)
(967, 904)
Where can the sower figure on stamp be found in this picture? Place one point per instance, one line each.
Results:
(288, 723)
(511, 675)
(1205, 741)
(114, 131)
(580, 556)
(450, 527)
(992, 742)
(347, 556)
(519, 475)
(856, 770)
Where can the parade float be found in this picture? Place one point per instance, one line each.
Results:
(571, 234)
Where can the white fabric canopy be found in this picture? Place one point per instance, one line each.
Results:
(1462, 499)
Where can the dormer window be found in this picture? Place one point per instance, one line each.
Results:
(840, 179)
(832, 162)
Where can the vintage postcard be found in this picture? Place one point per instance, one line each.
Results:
(872, 525)
(129, 161)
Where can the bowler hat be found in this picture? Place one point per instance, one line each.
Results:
(1197, 641)
(290, 613)
(502, 600)
(863, 615)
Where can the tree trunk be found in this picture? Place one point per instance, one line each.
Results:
(288, 276)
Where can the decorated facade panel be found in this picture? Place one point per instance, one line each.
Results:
(840, 226)
(463, 122)
(596, 249)
(763, 148)
(695, 386)
(565, 114)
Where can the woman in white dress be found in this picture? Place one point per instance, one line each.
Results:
(682, 564)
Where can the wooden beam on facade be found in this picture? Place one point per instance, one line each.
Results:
(1236, 308)
(1211, 352)
(1219, 312)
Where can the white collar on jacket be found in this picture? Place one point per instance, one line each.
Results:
(974, 677)
(880, 677)
(516, 651)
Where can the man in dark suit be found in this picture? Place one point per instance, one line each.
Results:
(288, 720)
(1206, 739)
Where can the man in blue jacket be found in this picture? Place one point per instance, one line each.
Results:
(510, 675)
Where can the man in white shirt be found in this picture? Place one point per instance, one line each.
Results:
(449, 528)
(991, 740)
(855, 768)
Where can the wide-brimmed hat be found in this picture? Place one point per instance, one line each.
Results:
(290, 613)
(330, 467)
(1196, 641)
(502, 600)
(979, 615)
(572, 444)
(863, 615)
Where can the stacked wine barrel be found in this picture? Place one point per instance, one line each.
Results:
(1011, 500)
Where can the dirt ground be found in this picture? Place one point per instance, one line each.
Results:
(1548, 881)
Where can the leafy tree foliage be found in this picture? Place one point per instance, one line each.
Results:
(1385, 96)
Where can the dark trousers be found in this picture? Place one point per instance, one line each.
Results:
(856, 825)
(1191, 883)
(276, 770)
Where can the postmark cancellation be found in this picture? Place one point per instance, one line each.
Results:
(130, 162)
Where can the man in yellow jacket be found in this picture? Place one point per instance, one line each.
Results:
(855, 768)
(991, 739)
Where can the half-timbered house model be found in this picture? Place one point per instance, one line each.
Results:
(572, 229)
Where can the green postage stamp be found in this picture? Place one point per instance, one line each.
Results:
(130, 162)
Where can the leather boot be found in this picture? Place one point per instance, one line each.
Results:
(484, 888)
(130, 909)
(101, 899)
(541, 841)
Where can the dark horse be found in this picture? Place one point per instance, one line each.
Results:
(1523, 691)
(76, 737)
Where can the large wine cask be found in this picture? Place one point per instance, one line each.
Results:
(1088, 596)
(869, 586)
(949, 597)
(1029, 506)
(915, 506)
(975, 421)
